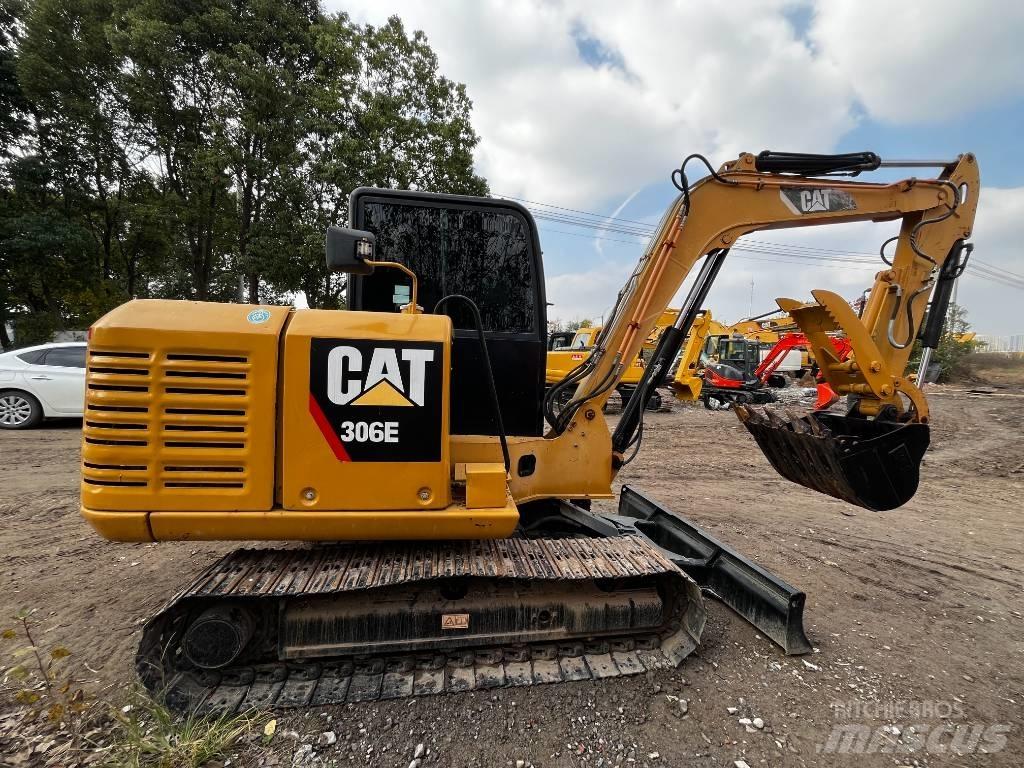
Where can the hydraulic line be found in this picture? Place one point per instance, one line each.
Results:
(669, 344)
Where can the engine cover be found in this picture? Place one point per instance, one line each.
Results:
(179, 411)
(365, 413)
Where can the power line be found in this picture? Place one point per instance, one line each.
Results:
(646, 227)
(572, 210)
(976, 260)
(981, 270)
(632, 227)
(755, 246)
(758, 255)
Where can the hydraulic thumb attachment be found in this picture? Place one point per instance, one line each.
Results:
(871, 463)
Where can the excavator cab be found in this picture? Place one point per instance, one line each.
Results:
(739, 353)
(559, 340)
(482, 248)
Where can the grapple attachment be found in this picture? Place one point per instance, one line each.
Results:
(873, 464)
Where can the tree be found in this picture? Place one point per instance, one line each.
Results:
(266, 73)
(200, 148)
(175, 95)
(84, 135)
(13, 127)
(955, 344)
(575, 325)
(13, 104)
(382, 116)
(44, 256)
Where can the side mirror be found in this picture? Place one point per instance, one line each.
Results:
(350, 250)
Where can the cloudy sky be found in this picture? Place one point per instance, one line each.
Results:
(589, 104)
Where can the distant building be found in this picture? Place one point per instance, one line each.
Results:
(1011, 344)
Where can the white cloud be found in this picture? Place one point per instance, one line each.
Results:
(716, 78)
(917, 61)
(992, 306)
(590, 293)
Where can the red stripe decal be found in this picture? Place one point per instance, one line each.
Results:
(329, 434)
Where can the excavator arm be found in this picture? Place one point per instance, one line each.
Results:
(791, 341)
(869, 457)
(777, 354)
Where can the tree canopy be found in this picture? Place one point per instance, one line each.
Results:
(200, 149)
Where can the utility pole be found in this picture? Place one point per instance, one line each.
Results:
(750, 309)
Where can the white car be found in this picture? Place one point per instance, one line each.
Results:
(41, 382)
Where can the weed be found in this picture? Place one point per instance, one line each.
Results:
(43, 682)
(143, 733)
(149, 735)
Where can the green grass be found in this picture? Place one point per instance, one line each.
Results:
(149, 735)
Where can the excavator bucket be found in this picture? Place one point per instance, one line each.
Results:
(687, 388)
(873, 464)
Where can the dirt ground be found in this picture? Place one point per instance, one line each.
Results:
(915, 616)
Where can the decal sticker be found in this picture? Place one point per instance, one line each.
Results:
(376, 400)
(455, 621)
(817, 200)
(258, 316)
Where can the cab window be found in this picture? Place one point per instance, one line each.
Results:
(482, 254)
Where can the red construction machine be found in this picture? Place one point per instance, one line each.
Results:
(726, 385)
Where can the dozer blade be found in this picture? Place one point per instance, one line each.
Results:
(873, 464)
(772, 605)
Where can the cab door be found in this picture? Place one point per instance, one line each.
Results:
(487, 250)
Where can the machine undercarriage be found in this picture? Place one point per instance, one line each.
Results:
(574, 596)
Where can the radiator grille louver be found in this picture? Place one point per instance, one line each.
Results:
(170, 422)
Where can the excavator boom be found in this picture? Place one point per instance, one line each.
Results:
(889, 419)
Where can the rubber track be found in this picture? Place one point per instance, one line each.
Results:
(287, 573)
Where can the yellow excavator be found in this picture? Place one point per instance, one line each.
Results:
(686, 380)
(438, 503)
(567, 351)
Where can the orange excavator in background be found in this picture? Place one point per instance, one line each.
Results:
(726, 385)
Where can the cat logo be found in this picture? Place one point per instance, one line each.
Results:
(455, 621)
(382, 381)
(813, 200)
(376, 400)
(816, 200)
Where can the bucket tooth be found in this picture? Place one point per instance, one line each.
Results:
(817, 429)
(777, 421)
(796, 423)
